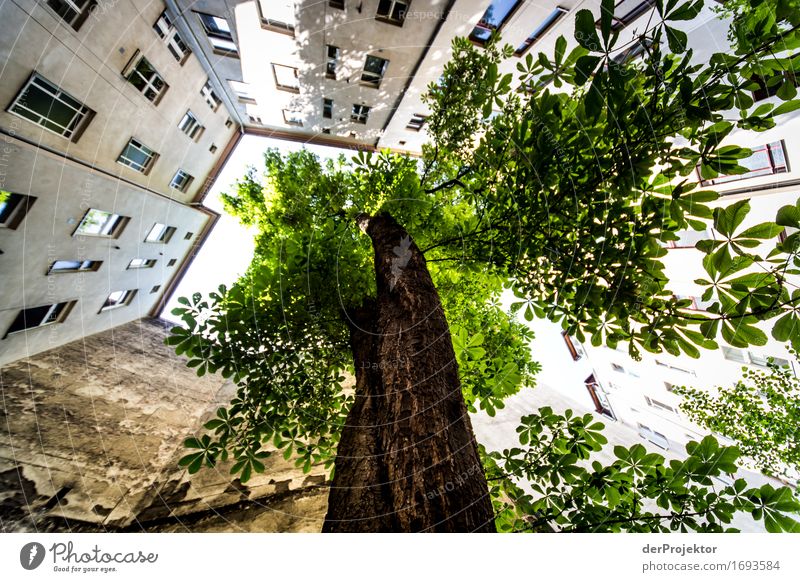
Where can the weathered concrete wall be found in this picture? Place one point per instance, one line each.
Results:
(90, 435)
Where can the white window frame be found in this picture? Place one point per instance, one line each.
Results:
(211, 97)
(286, 20)
(360, 114)
(81, 13)
(653, 403)
(83, 266)
(111, 227)
(57, 313)
(80, 117)
(370, 78)
(279, 72)
(137, 145)
(125, 299)
(160, 233)
(138, 263)
(388, 16)
(331, 61)
(167, 32)
(219, 35)
(294, 118)
(181, 180)
(132, 70)
(190, 125)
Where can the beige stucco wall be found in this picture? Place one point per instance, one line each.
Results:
(103, 420)
(88, 65)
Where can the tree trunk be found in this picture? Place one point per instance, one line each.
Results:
(407, 460)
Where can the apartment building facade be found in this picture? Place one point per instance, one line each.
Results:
(110, 136)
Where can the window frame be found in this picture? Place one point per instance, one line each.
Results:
(86, 266)
(57, 313)
(166, 233)
(19, 208)
(168, 33)
(292, 121)
(370, 81)
(132, 69)
(143, 264)
(274, 24)
(360, 113)
(774, 168)
(208, 93)
(124, 301)
(81, 14)
(80, 119)
(279, 85)
(417, 122)
(550, 21)
(618, 23)
(331, 62)
(190, 125)
(132, 164)
(483, 25)
(215, 33)
(119, 224)
(183, 185)
(388, 18)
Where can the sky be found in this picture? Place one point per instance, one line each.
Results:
(229, 248)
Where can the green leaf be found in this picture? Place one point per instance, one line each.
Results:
(677, 39)
(585, 31)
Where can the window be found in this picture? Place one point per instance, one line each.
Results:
(660, 405)
(155, 288)
(219, 34)
(654, 437)
(171, 262)
(190, 126)
(573, 351)
(138, 156)
(626, 11)
(752, 358)
(671, 367)
(336, 4)
(277, 15)
(242, 91)
(374, 69)
(141, 263)
(669, 387)
(766, 160)
(416, 122)
(13, 208)
(617, 368)
(188, 236)
(327, 108)
(286, 78)
(392, 11)
(167, 32)
(73, 266)
(212, 148)
(40, 316)
(160, 233)
(144, 77)
(634, 52)
(541, 30)
(48, 106)
(496, 15)
(326, 130)
(181, 181)
(360, 114)
(332, 61)
(228, 123)
(211, 98)
(118, 299)
(101, 223)
(73, 12)
(293, 117)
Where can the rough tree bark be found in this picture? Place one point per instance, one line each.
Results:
(407, 460)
